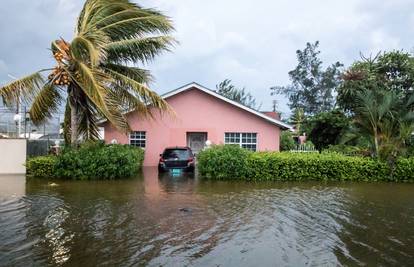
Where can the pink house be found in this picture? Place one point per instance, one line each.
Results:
(201, 114)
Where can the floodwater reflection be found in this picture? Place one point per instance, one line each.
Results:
(167, 220)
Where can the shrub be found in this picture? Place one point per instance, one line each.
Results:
(314, 166)
(404, 170)
(43, 166)
(348, 150)
(99, 161)
(223, 162)
(286, 141)
(90, 161)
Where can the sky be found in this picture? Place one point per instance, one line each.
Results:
(253, 43)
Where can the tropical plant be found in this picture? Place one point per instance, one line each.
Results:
(387, 118)
(389, 71)
(327, 128)
(287, 142)
(298, 119)
(94, 69)
(312, 88)
(228, 90)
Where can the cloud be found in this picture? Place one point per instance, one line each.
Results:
(252, 43)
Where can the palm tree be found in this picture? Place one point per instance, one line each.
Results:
(387, 119)
(298, 118)
(94, 69)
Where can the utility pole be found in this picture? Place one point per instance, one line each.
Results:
(17, 117)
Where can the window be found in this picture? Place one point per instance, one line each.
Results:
(244, 140)
(137, 139)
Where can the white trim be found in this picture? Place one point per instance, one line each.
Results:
(138, 139)
(234, 103)
(240, 143)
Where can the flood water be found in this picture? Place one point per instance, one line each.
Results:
(186, 221)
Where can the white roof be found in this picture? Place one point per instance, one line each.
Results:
(234, 103)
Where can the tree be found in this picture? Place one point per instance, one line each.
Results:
(327, 128)
(287, 142)
(389, 71)
(312, 88)
(387, 119)
(94, 69)
(227, 89)
(298, 119)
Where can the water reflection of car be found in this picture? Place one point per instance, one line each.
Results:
(176, 158)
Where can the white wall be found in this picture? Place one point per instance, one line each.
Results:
(12, 156)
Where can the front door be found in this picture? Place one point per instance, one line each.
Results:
(196, 141)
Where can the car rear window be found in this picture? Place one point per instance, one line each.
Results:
(176, 153)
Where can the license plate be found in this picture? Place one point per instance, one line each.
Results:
(175, 171)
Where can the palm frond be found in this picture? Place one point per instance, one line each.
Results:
(138, 27)
(25, 88)
(136, 74)
(46, 102)
(143, 49)
(147, 95)
(82, 49)
(92, 83)
(87, 119)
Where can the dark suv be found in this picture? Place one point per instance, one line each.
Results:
(172, 158)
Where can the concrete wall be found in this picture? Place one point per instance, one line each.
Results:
(12, 156)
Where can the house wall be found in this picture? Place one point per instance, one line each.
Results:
(195, 111)
(13, 156)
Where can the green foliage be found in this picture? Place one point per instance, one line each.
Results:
(404, 169)
(43, 166)
(347, 150)
(90, 161)
(286, 141)
(227, 89)
(98, 161)
(327, 128)
(223, 162)
(389, 71)
(312, 88)
(297, 119)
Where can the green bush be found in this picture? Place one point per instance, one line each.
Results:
(223, 162)
(90, 161)
(348, 150)
(41, 166)
(404, 170)
(98, 161)
(286, 141)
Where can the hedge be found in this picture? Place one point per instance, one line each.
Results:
(43, 166)
(90, 161)
(218, 163)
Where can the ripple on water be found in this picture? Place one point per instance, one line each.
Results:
(183, 222)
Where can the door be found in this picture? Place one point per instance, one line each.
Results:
(196, 141)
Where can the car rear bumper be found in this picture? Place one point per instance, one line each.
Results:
(187, 168)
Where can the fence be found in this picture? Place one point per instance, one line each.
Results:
(23, 127)
(305, 148)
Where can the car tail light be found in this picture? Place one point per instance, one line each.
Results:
(190, 160)
(161, 159)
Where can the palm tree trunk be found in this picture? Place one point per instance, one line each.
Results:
(376, 144)
(73, 124)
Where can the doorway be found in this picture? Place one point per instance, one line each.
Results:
(196, 141)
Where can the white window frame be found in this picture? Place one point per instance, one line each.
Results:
(239, 136)
(139, 138)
